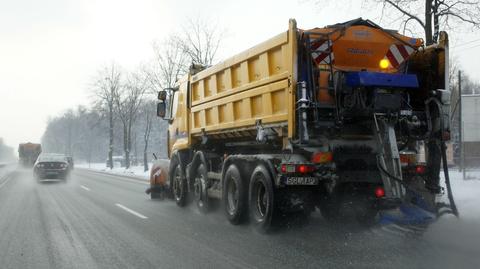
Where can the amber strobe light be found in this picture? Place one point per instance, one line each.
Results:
(384, 63)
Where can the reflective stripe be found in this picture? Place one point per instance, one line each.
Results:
(318, 52)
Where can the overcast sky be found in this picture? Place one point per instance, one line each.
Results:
(50, 49)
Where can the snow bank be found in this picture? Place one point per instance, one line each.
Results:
(133, 171)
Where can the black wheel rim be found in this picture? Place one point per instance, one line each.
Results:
(232, 196)
(261, 199)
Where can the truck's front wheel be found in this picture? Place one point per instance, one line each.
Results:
(261, 198)
(234, 195)
(179, 184)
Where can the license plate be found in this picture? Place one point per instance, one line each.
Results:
(302, 181)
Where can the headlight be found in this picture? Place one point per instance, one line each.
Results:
(40, 165)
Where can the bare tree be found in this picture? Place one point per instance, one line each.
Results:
(106, 87)
(200, 40)
(197, 44)
(6, 152)
(431, 15)
(148, 114)
(169, 64)
(127, 102)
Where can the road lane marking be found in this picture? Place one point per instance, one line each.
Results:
(5, 182)
(131, 211)
(85, 188)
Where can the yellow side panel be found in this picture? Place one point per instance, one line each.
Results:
(265, 63)
(254, 85)
(267, 103)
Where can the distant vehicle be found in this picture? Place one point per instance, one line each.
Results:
(51, 166)
(28, 153)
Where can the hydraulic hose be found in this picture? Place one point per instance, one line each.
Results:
(443, 149)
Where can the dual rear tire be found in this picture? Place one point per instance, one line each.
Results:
(255, 197)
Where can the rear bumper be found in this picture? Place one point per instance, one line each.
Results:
(51, 173)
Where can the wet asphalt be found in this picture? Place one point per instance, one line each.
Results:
(96, 220)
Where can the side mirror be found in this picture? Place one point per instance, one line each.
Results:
(162, 95)
(161, 109)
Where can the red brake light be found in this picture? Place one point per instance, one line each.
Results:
(302, 168)
(379, 192)
(421, 169)
(284, 168)
(305, 168)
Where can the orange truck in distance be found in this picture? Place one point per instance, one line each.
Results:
(28, 153)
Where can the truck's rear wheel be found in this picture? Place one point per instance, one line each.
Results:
(234, 195)
(261, 198)
(179, 184)
(200, 189)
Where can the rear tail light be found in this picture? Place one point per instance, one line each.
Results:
(322, 157)
(305, 168)
(379, 192)
(407, 159)
(421, 169)
(286, 168)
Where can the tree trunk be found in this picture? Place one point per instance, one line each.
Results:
(125, 146)
(129, 144)
(428, 22)
(145, 160)
(110, 143)
(145, 155)
(436, 23)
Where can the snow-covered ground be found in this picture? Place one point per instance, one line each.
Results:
(6, 168)
(466, 193)
(135, 171)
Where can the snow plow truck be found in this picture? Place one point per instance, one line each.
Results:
(328, 118)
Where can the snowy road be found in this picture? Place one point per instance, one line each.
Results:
(106, 221)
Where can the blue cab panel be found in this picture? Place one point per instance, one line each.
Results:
(355, 79)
